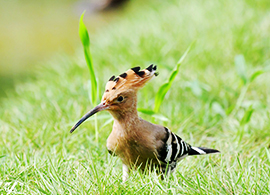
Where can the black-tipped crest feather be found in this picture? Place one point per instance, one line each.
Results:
(136, 69)
(124, 75)
(112, 78)
(150, 68)
(140, 73)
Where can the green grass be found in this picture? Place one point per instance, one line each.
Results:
(94, 89)
(211, 103)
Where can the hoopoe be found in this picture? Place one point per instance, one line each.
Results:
(137, 142)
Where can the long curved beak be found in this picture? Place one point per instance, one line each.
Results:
(98, 108)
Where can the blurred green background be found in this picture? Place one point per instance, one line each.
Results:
(35, 31)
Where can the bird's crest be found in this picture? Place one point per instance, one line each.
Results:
(132, 79)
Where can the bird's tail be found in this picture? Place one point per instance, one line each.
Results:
(201, 150)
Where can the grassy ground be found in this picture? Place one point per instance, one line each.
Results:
(211, 104)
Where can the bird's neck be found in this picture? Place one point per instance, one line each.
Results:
(125, 115)
(126, 118)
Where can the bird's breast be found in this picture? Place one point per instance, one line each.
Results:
(131, 149)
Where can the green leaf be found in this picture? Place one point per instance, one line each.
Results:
(247, 116)
(153, 114)
(160, 117)
(166, 86)
(240, 66)
(88, 58)
(256, 74)
(160, 95)
(146, 111)
(83, 32)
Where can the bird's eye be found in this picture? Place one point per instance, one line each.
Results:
(120, 99)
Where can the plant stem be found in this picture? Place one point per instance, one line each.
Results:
(240, 99)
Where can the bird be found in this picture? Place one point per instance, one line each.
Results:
(137, 142)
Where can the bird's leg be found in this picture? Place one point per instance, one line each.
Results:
(125, 172)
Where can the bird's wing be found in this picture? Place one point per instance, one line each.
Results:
(173, 148)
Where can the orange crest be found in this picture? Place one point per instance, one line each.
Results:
(132, 79)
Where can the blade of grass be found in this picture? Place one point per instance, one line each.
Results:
(153, 114)
(256, 74)
(88, 58)
(241, 71)
(166, 86)
(247, 116)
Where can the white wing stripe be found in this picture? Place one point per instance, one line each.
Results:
(169, 147)
(178, 147)
(198, 150)
(182, 148)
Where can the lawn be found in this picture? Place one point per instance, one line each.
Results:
(220, 99)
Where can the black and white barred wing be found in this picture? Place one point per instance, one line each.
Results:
(175, 149)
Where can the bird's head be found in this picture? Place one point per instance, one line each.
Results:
(121, 92)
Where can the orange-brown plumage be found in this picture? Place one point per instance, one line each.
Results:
(130, 81)
(137, 142)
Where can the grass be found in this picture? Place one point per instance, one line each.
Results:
(209, 104)
(94, 89)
